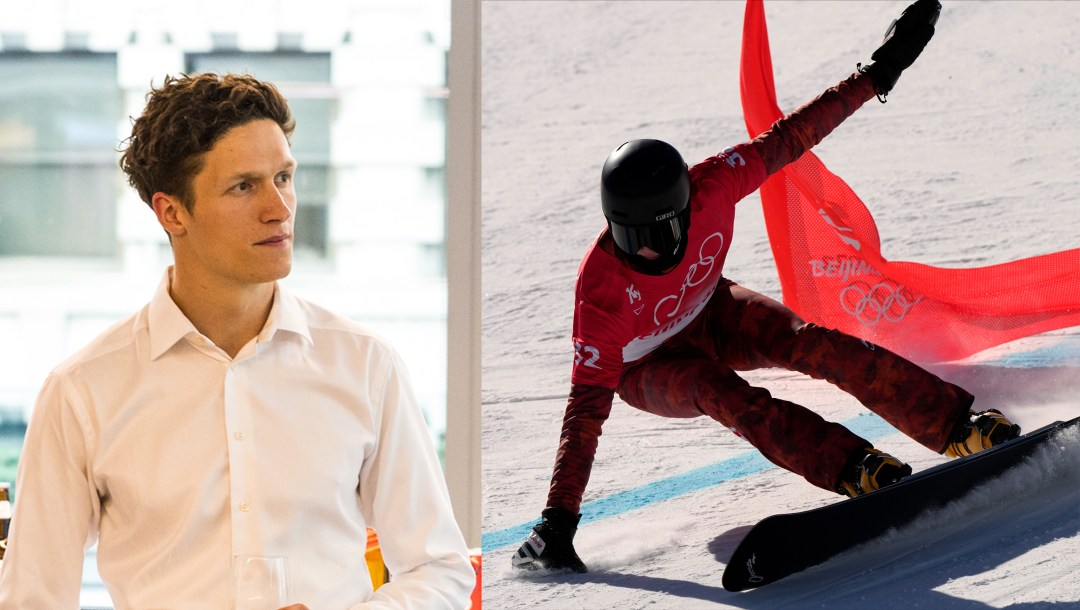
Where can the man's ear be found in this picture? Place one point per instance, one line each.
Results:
(171, 213)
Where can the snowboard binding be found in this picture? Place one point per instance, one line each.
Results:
(979, 431)
(870, 470)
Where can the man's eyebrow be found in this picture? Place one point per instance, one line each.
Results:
(289, 165)
(242, 176)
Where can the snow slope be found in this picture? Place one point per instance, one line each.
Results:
(973, 161)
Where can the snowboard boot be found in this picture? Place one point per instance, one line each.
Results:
(977, 431)
(869, 470)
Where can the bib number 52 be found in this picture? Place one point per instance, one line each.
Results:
(586, 353)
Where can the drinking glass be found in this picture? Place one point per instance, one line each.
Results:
(261, 582)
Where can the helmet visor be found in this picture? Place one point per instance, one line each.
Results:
(662, 237)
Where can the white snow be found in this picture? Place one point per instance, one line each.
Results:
(974, 160)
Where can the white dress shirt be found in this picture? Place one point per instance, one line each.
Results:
(178, 458)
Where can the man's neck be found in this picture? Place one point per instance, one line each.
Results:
(228, 315)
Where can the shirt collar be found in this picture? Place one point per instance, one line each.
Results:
(168, 325)
(286, 314)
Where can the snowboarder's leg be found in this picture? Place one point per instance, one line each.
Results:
(787, 434)
(748, 325)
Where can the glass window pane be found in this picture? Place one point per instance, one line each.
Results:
(58, 117)
(57, 210)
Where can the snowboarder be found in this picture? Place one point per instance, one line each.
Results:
(656, 321)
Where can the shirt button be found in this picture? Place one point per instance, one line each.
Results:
(244, 507)
(239, 436)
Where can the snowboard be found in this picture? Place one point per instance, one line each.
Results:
(781, 545)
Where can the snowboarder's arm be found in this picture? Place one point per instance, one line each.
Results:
(586, 411)
(801, 130)
(550, 545)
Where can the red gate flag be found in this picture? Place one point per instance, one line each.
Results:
(828, 255)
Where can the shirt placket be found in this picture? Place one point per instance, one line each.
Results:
(242, 465)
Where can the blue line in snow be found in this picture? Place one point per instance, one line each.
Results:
(1063, 353)
(868, 426)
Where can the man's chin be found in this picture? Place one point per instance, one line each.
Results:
(282, 273)
(270, 274)
(652, 266)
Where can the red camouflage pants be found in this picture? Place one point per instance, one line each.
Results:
(693, 374)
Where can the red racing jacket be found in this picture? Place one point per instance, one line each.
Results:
(621, 315)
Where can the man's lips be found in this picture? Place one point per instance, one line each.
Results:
(275, 240)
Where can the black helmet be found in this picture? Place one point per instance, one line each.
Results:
(645, 191)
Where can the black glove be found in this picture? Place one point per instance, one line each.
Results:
(904, 40)
(551, 544)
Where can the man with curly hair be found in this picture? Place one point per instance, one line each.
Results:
(229, 419)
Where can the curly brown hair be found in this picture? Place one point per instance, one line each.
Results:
(183, 119)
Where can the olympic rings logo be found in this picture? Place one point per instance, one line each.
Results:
(707, 253)
(883, 301)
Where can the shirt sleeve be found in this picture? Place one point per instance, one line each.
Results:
(586, 411)
(598, 354)
(725, 179)
(788, 138)
(404, 497)
(601, 329)
(56, 507)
